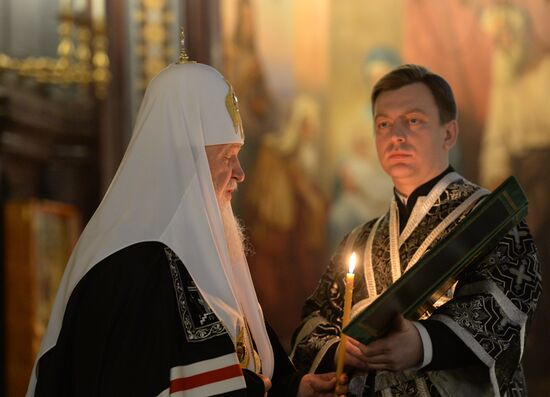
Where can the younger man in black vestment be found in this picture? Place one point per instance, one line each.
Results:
(472, 344)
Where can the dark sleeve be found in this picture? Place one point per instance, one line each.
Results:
(123, 333)
(327, 363)
(116, 330)
(491, 308)
(286, 379)
(449, 351)
(254, 384)
(320, 327)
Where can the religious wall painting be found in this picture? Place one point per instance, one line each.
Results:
(285, 211)
(496, 56)
(361, 190)
(308, 152)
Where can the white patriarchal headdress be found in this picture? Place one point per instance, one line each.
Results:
(163, 191)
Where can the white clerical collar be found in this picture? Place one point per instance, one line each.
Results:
(401, 197)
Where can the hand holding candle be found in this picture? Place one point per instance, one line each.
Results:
(345, 317)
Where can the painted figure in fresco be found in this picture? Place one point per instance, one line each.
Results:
(157, 298)
(362, 191)
(243, 68)
(286, 214)
(516, 139)
(362, 187)
(518, 122)
(472, 344)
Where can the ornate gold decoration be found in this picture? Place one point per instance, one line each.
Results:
(232, 104)
(257, 362)
(100, 60)
(241, 349)
(84, 63)
(183, 58)
(154, 51)
(242, 346)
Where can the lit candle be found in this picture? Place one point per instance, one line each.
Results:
(345, 318)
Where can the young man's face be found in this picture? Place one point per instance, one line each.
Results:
(225, 169)
(412, 145)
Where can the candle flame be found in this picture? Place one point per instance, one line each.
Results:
(352, 261)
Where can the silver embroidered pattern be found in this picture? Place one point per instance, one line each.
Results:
(208, 326)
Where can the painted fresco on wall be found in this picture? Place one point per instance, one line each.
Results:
(310, 179)
(516, 140)
(361, 189)
(494, 53)
(285, 212)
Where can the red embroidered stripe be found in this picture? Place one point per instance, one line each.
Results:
(205, 378)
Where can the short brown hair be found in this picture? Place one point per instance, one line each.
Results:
(410, 74)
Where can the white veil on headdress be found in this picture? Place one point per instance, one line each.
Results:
(163, 191)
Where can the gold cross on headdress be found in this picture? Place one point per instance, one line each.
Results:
(183, 58)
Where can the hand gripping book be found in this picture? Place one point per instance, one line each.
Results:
(413, 293)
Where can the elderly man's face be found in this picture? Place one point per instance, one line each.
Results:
(225, 169)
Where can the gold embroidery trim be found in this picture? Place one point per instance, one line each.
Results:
(241, 349)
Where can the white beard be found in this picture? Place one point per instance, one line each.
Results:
(234, 234)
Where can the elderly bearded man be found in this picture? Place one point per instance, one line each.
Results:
(157, 298)
(472, 344)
